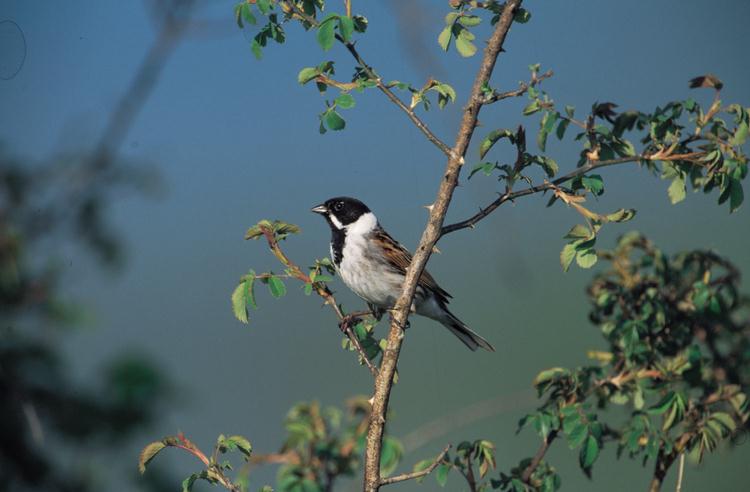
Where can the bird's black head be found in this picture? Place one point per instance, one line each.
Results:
(341, 211)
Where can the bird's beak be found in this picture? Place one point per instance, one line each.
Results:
(320, 209)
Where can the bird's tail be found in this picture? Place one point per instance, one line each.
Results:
(470, 338)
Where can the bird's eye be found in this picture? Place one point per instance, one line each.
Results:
(338, 206)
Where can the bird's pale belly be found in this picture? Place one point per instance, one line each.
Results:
(379, 288)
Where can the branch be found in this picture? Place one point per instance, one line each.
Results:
(522, 89)
(379, 83)
(529, 470)
(345, 321)
(510, 196)
(410, 476)
(431, 234)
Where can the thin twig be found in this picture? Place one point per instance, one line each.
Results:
(680, 473)
(413, 475)
(323, 291)
(379, 83)
(506, 197)
(538, 457)
(400, 313)
(522, 89)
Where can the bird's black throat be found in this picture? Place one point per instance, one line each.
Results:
(337, 244)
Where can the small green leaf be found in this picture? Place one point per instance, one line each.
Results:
(492, 138)
(242, 443)
(621, 215)
(531, 108)
(345, 101)
(148, 453)
(256, 49)
(586, 258)
(469, 20)
(264, 6)
(239, 302)
(307, 74)
(567, 255)
(444, 39)
(522, 16)
(334, 120)
(561, 128)
(346, 27)
(589, 453)
(578, 232)
(326, 34)
(464, 45)
(677, 191)
(276, 287)
(593, 183)
(441, 474)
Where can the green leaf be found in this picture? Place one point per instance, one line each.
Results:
(736, 195)
(522, 16)
(444, 39)
(307, 74)
(345, 101)
(621, 215)
(441, 474)
(326, 34)
(663, 404)
(246, 15)
(577, 434)
(586, 258)
(548, 164)
(561, 128)
(740, 135)
(391, 453)
(256, 49)
(264, 6)
(492, 138)
(346, 27)
(469, 20)
(589, 453)
(276, 287)
(242, 444)
(567, 255)
(677, 191)
(239, 302)
(545, 127)
(485, 167)
(593, 183)
(531, 108)
(334, 120)
(578, 232)
(148, 453)
(464, 45)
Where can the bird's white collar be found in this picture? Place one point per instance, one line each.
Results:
(366, 223)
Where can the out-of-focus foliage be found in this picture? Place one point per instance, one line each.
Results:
(322, 445)
(44, 210)
(678, 362)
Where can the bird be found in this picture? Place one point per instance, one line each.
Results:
(373, 265)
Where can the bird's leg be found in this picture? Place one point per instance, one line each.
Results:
(352, 319)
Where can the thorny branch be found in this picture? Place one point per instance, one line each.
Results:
(379, 83)
(509, 196)
(432, 232)
(323, 291)
(419, 474)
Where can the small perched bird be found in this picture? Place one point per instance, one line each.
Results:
(373, 265)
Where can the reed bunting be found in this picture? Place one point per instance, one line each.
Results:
(373, 265)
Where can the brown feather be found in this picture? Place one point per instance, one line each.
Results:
(399, 258)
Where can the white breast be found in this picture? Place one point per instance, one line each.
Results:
(363, 269)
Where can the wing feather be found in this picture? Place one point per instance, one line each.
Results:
(399, 259)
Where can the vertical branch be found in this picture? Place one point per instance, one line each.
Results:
(431, 234)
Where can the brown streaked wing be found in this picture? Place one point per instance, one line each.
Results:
(400, 259)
